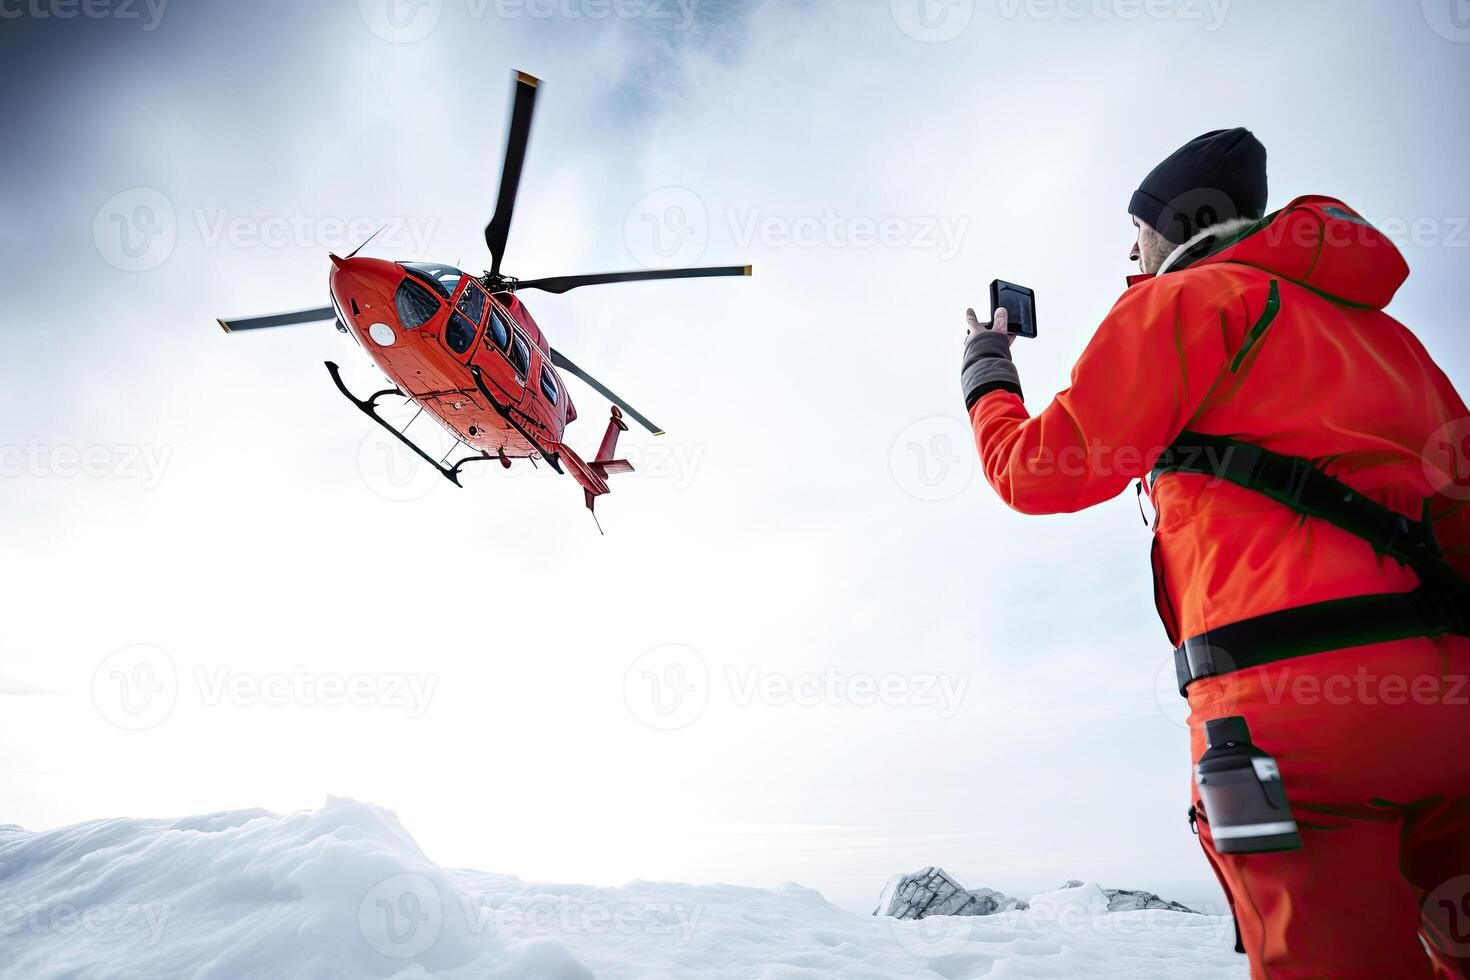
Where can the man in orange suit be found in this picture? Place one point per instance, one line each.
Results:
(1307, 463)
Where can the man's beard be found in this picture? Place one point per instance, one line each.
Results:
(1153, 249)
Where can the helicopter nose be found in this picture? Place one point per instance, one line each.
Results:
(362, 284)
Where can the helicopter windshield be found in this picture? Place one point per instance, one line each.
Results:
(444, 279)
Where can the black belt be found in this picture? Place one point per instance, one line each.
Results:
(1441, 603)
(1336, 624)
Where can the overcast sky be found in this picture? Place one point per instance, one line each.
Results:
(813, 645)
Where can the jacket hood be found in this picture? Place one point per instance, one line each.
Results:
(1318, 242)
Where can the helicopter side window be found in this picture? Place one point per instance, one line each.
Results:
(498, 330)
(460, 333)
(416, 305)
(520, 356)
(548, 384)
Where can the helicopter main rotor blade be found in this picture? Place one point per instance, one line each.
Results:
(279, 319)
(523, 106)
(560, 284)
(562, 361)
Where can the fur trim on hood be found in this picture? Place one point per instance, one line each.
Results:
(1222, 230)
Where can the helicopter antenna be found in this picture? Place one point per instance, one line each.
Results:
(365, 241)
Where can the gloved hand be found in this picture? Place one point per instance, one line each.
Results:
(987, 365)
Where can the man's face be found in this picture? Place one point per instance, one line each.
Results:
(1150, 249)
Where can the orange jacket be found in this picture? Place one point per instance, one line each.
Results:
(1328, 376)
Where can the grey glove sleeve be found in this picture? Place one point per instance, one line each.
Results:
(987, 366)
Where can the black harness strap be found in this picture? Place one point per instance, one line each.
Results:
(1440, 604)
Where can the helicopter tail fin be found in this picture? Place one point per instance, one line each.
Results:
(593, 474)
(604, 465)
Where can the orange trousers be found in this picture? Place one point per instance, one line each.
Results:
(1374, 749)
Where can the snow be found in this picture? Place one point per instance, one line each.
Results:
(345, 891)
(1085, 901)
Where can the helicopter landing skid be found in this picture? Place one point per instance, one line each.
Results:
(369, 408)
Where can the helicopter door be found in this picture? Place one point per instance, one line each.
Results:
(465, 320)
(495, 356)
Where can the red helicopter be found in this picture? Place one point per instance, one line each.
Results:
(465, 349)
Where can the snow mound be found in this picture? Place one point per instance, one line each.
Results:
(345, 892)
(340, 891)
(671, 931)
(1083, 898)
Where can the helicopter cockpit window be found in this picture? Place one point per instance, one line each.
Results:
(520, 356)
(548, 385)
(416, 305)
(498, 331)
(444, 279)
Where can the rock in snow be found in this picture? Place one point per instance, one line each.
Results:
(1129, 900)
(933, 891)
(345, 892)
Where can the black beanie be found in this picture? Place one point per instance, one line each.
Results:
(1212, 178)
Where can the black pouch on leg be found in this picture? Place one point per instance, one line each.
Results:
(1241, 789)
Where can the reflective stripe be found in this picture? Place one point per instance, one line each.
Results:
(1252, 830)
